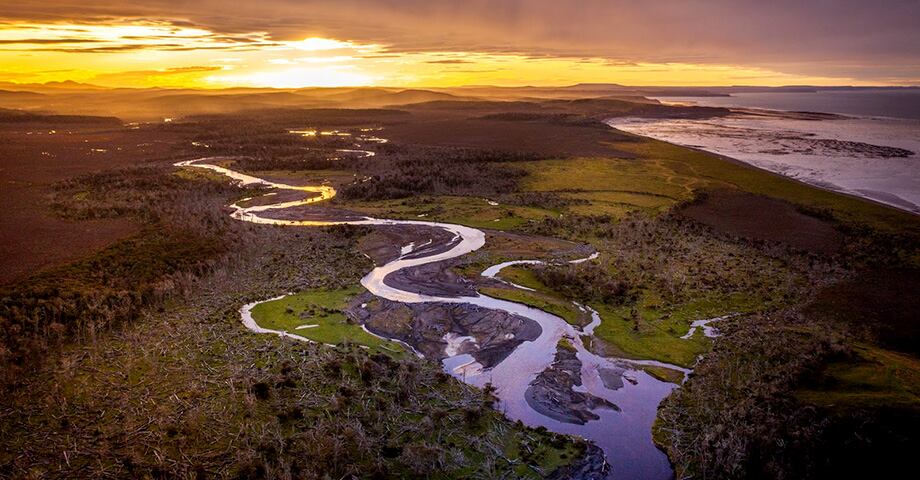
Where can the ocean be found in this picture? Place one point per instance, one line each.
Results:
(870, 149)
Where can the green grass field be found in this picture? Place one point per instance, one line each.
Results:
(661, 176)
(601, 175)
(874, 377)
(611, 186)
(554, 305)
(471, 211)
(309, 177)
(664, 374)
(652, 333)
(522, 276)
(322, 308)
(543, 297)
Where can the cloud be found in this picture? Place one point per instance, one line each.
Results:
(124, 35)
(104, 49)
(842, 37)
(452, 61)
(193, 69)
(45, 41)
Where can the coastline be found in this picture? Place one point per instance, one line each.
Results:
(751, 166)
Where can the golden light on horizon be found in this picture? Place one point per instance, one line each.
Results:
(160, 54)
(316, 44)
(297, 77)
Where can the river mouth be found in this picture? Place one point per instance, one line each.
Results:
(546, 379)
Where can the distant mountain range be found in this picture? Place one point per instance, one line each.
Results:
(144, 104)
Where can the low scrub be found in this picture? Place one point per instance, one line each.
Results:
(739, 415)
(587, 282)
(187, 236)
(438, 171)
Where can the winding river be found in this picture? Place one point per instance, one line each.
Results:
(624, 434)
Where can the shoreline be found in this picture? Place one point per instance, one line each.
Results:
(751, 166)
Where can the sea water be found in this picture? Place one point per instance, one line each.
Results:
(872, 150)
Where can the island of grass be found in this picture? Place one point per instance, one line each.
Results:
(318, 315)
(539, 296)
(548, 304)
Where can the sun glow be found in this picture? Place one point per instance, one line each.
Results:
(296, 77)
(76, 38)
(315, 44)
(158, 53)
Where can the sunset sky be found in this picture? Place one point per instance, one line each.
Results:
(286, 43)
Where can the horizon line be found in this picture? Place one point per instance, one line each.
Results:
(54, 83)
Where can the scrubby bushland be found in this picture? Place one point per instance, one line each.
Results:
(574, 226)
(739, 415)
(270, 144)
(354, 424)
(146, 193)
(187, 392)
(180, 389)
(546, 200)
(405, 172)
(311, 160)
(297, 117)
(881, 305)
(21, 116)
(187, 232)
(81, 300)
(530, 116)
(565, 119)
(586, 282)
(680, 260)
(186, 236)
(262, 140)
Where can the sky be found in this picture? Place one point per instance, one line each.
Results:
(434, 43)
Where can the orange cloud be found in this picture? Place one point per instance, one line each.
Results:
(357, 42)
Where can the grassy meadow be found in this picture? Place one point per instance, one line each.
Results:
(318, 315)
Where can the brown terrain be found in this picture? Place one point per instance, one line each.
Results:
(884, 303)
(541, 136)
(32, 158)
(755, 217)
(34, 238)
